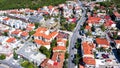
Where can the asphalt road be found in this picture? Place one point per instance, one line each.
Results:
(75, 36)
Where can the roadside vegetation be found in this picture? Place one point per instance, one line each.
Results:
(33, 4)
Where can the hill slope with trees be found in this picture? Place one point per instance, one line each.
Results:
(33, 4)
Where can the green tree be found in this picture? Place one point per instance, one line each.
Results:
(37, 25)
(5, 34)
(102, 27)
(67, 43)
(89, 33)
(2, 56)
(31, 33)
(15, 56)
(45, 51)
(27, 64)
(53, 43)
(66, 55)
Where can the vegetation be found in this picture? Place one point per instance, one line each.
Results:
(102, 27)
(15, 55)
(5, 34)
(76, 59)
(33, 4)
(65, 64)
(53, 43)
(67, 43)
(66, 55)
(89, 33)
(27, 64)
(2, 56)
(31, 33)
(37, 25)
(45, 51)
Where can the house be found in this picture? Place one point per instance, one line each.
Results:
(87, 28)
(30, 27)
(88, 56)
(117, 15)
(102, 42)
(36, 19)
(94, 21)
(89, 61)
(11, 40)
(29, 51)
(42, 43)
(117, 44)
(61, 42)
(88, 49)
(59, 49)
(56, 61)
(110, 24)
(24, 35)
(16, 33)
(44, 34)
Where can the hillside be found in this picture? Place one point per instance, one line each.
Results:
(33, 4)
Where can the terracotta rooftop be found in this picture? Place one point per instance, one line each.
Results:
(62, 48)
(102, 41)
(10, 40)
(40, 42)
(89, 60)
(56, 61)
(87, 47)
(93, 20)
(117, 41)
(24, 33)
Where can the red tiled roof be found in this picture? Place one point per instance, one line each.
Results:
(102, 41)
(59, 48)
(116, 14)
(56, 64)
(10, 40)
(41, 32)
(93, 20)
(117, 41)
(88, 27)
(40, 42)
(87, 47)
(16, 32)
(109, 23)
(89, 60)
(24, 33)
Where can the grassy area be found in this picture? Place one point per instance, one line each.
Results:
(33, 4)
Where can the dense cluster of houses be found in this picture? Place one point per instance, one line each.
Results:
(96, 42)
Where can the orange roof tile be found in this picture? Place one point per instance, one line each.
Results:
(50, 7)
(61, 40)
(10, 40)
(31, 25)
(24, 33)
(88, 27)
(102, 41)
(81, 66)
(41, 32)
(59, 48)
(41, 42)
(117, 41)
(87, 47)
(29, 28)
(16, 32)
(6, 18)
(89, 60)
(116, 14)
(93, 20)
(56, 64)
